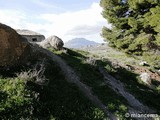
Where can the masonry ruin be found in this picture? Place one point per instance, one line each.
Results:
(31, 36)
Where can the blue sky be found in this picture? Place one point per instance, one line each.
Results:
(41, 6)
(67, 19)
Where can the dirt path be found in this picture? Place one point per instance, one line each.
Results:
(118, 87)
(71, 77)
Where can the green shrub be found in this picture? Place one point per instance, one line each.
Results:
(123, 108)
(98, 114)
(154, 60)
(111, 107)
(14, 97)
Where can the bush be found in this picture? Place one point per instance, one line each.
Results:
(36, 74)
(154, 60)
(14, 97)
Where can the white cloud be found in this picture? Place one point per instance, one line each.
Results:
(12, 18)
(85, 23)
(89, 30)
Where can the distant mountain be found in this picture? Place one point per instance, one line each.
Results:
(79, 42)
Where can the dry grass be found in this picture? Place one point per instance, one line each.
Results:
(36, 74)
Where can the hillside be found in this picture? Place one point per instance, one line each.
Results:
(79, 42)
(95, 83)
(79, 86)
(105, 78)
(130, 62)
(47, 79)
(48, 95)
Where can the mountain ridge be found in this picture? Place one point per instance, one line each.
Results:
(79, 42)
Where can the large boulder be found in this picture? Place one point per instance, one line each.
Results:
(13, 48)
(52, 42)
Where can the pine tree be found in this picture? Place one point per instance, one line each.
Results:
(135, 25)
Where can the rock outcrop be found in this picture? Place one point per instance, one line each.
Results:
(13, 48)
(53, 42)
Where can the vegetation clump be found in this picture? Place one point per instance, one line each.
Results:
(42, 92)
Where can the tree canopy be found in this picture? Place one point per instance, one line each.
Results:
(135, 25)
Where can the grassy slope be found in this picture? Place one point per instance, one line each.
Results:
(63, 101)
(90, 75)
(142, 92)
(58, 100)
(150, 97)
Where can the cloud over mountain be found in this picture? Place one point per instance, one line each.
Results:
(67, 25)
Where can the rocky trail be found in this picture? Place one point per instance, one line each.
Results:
(116, 85)
(73, 78)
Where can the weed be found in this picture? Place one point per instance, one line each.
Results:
(36, 74)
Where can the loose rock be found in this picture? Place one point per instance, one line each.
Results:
(145, 77)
